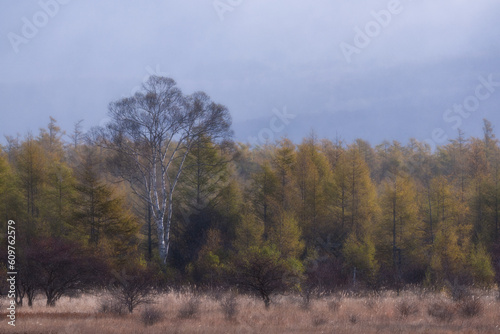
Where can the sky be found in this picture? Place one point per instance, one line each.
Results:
(376, 70)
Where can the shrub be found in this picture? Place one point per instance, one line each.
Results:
(318, 321)
(151, 316)
(190, 309)
(441, 311)
(264, 272)
(482, 268)
(57, 266)
(334, 305)
(325, 274)
(133, 287)
(112, 306)
(407, 308)
(458, 291)
(471, 307)
(305, 302)
(229, 306)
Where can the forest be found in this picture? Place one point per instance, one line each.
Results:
(161, 197)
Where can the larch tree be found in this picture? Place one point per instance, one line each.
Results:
(264, 194)
(258, 265)
(362, 209)
(489, 231)
(201, 194)
(450, 239)
(478, 167)
(490, 142)
(400, 224)
(249, 232)
(286, 236)
(100, 216)
(30, 166)
(10, 196)
(58, 189)
(341, 191)
(314, 181)
(362, 202)
(453, 163)
(283, 163)
(205, 173)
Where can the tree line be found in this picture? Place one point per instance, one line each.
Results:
(162, 190)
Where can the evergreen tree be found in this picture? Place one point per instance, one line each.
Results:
(10, 196)
(285, 235)
(265, 197)
(400, 228)
(100, 216)
(314, 180)
(31, 174)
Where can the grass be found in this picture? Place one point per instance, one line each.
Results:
(411, 312)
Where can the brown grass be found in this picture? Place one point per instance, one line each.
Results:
(382, 313)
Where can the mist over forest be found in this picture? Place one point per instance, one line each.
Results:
(249, 166)
(163, 187)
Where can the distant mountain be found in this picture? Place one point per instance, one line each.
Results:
(374, 126)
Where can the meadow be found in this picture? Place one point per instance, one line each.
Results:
(415, 311)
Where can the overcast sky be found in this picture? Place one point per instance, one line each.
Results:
(354, 69)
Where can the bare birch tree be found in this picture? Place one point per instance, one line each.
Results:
(152, 133)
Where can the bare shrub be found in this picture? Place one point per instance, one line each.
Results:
(264, 272)
(407, 308)
(133, 287)
(190, 309)
(319, 321)
(151, 316)
(472, 307)
(441, 311)
(458, 292)
(353, 319)
(56, 266)
(229, 306)
(112, 306)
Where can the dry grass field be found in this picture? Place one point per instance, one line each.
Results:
(412, 312)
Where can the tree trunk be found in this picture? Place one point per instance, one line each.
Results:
(150, 243)
(267, 300)
(31, 296)
(163, 250)
(168, 224)
(430, 214)
(51, 299)
(19, 296)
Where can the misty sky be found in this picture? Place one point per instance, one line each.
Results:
(425, 69)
